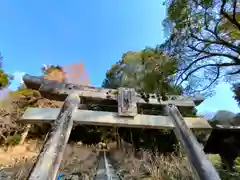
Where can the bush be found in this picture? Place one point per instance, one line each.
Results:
(5, 79)
(225, 174)
(13, 140)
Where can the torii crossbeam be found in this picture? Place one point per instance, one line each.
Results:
(127, 102)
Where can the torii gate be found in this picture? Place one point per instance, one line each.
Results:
(127, 101)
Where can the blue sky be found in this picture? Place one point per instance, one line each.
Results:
(97, 33)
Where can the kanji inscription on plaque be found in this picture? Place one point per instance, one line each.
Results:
(127, 105)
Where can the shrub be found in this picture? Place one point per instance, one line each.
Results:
(13, 140)
(5, 79)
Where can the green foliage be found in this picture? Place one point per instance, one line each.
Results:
(226, 175)
(25, 92)
(48, 69)
(13, 140)
(223, 173)
(230, 29)
(148, 70)
(237, 164)
(204, 37)
(207, 3)
(236, 91)
(151, 71)
(5, 79)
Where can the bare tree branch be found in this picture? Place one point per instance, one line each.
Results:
(213, 81)
(206, 65)
(234, 10)
(233, 21)
(204, 41)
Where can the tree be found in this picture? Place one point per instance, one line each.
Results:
(53, 72)
(151, 71)
(148, 70)
(5, 79)
(236, 91)
(74, 73)
(204, 36)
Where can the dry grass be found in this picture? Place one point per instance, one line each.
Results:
(17, 161)
(79, 162)
(171, 167)
(149, 167)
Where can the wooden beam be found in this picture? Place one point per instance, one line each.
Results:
(61, 90)
(101, 118)
(50, 157)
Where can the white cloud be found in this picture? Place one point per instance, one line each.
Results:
(18, 76)
(17, 81)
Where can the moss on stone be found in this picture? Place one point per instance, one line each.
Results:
(25, 92)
